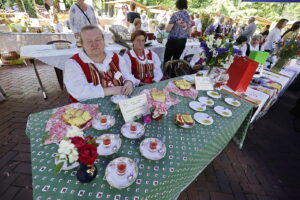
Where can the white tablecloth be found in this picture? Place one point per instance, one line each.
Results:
(57, 58)
(14, 41)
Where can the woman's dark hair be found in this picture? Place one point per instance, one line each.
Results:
(132, 6)
(241, 39)
(294, 27)
(181, 4)
(138, 33)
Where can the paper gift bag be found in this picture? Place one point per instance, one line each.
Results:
(259, 56)
(240, 73)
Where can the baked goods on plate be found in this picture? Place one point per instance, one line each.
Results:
(184, 120)
(158, 95)
(76, 117)
(183, 84)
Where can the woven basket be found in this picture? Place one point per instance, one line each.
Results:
(12, 55)
(117, 38)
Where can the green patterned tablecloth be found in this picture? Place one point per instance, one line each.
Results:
(189, 151)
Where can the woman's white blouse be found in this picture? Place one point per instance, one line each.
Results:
(156, 61)
(78, 20)
(75, 79)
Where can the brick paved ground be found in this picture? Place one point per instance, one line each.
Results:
(266, 169)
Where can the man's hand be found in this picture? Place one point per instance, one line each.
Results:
(127, 88)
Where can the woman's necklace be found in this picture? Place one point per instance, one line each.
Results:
(140, 57)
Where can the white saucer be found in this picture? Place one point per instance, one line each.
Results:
(97, 125)
(222, 110)
(121, 181)
(206, 100)
(109, 149)
(197, 106)
(232, 102)
(203, 118)
(126, 132)
(157, 154)
(214, 94)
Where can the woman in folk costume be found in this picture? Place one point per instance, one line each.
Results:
(145, 65)
(95, 72)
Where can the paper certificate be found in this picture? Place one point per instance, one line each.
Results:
(203, 83)
(133, 107)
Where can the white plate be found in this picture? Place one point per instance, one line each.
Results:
(203, 118)
(126, 132)
(206, 100)
(232, 101)
(117, 98)
(197, 106)
(214, 94)
(222, 111)
(156, 154)
(121, 181)
(97, 125)
(113, 147)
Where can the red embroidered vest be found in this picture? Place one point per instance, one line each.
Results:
(93, 75)
(143, 72)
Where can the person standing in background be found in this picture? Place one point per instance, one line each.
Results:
(81, 14)
(275, 35)
(122, 16)
(179, 29)
(250, 29)
(132, 14)
(198, 23)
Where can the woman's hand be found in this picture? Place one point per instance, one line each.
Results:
(127, 88)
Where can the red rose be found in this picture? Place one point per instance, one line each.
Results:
(78, 141)
(88, 154)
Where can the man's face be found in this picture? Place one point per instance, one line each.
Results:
(92, 42)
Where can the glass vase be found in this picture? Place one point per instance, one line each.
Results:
(281, 62)
(86, 173)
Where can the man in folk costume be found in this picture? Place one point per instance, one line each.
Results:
(95, 72)
(145, 65)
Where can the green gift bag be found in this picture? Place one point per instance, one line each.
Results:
(259, 56)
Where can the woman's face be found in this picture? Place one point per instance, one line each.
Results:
(92, 42)
(139, 43)
(255, 42)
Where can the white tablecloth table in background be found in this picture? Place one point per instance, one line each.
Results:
(14, 41)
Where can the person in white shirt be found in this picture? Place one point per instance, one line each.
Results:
(198, 23)
(122, 16)
(145, 65)
(81, 14)
(254, 45)
(275, 35)
(95, 72)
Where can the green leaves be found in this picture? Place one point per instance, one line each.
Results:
(58, 167)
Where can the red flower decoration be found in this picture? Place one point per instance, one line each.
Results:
(78, 142)
(88, 154)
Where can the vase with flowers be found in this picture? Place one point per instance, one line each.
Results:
(286, 51)
(216, 53)
(81, 151)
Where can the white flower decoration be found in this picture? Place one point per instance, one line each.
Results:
(65, 147)
(74, 131)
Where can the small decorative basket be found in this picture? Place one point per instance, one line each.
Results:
(12, 55)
